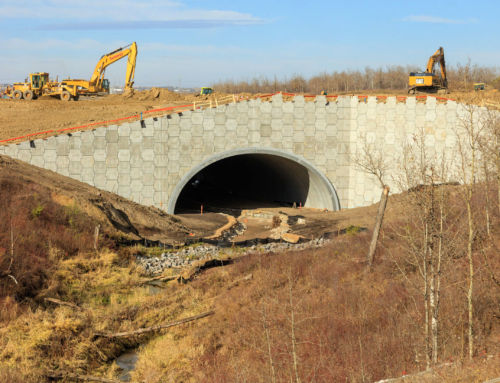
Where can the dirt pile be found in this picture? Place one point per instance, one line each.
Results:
(159, 94)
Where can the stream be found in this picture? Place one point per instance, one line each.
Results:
(127, 363)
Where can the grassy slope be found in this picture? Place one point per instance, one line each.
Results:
(349, 325)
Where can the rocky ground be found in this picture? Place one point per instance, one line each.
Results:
(178, 259)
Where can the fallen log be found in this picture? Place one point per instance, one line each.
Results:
(159, 279)
(189, 274)
(153, 328)
(62, 303)
(83, 378)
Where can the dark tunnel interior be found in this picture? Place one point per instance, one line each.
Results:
(245, 181)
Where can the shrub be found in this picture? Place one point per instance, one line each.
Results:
(31, 227)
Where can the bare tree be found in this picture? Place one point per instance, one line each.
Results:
(469, 135)
(425, 232)
(372, 161)
(390, 77)
(265, 326)
(293, 325)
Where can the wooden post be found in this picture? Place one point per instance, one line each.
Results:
(378, 225)
(96, 236)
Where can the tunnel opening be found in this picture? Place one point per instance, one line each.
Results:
(253, 180)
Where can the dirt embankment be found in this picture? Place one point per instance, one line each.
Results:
(119, 217)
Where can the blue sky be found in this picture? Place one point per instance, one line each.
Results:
(197, 42)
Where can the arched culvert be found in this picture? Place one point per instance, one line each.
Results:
(251, 178)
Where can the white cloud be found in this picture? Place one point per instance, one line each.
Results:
(436, 20)
(120, 14)
(85, 9)
(22, 46)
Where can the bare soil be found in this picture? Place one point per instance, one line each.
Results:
(20, 117)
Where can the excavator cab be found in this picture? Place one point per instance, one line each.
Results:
(105, 85)
(206, 91)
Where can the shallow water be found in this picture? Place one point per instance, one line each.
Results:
(127, 363)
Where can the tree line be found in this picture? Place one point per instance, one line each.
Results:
(460, 77)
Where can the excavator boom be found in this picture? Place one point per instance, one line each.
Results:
(98, 76)
(437, 57)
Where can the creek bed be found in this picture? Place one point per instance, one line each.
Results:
(126, 362)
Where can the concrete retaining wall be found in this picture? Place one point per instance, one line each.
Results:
(147, 162)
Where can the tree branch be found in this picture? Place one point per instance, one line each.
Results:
(153, 328)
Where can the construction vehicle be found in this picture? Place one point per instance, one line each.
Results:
(430, 81)
(479, 86)
(98, 84)
(37, 85)
(205, 91)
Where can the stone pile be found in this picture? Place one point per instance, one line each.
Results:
(186, 256)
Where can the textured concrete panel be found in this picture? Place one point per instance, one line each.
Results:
(148, 162)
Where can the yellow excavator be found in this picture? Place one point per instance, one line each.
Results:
(97, 83)
(430, 81)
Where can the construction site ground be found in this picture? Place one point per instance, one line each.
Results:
(19, 117)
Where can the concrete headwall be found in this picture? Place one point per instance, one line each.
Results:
(149, 163)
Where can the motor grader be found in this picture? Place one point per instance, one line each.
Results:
(37, 85)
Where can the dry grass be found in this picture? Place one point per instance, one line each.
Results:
(347, 324)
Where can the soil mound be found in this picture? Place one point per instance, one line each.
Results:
(160, 94)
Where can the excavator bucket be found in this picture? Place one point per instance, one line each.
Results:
(128, 92)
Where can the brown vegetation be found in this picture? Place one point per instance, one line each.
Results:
(120, 218)
(313, 315)
(318, 316)
(390, 78)
(34, 232)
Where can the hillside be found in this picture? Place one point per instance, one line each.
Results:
(314, 314)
